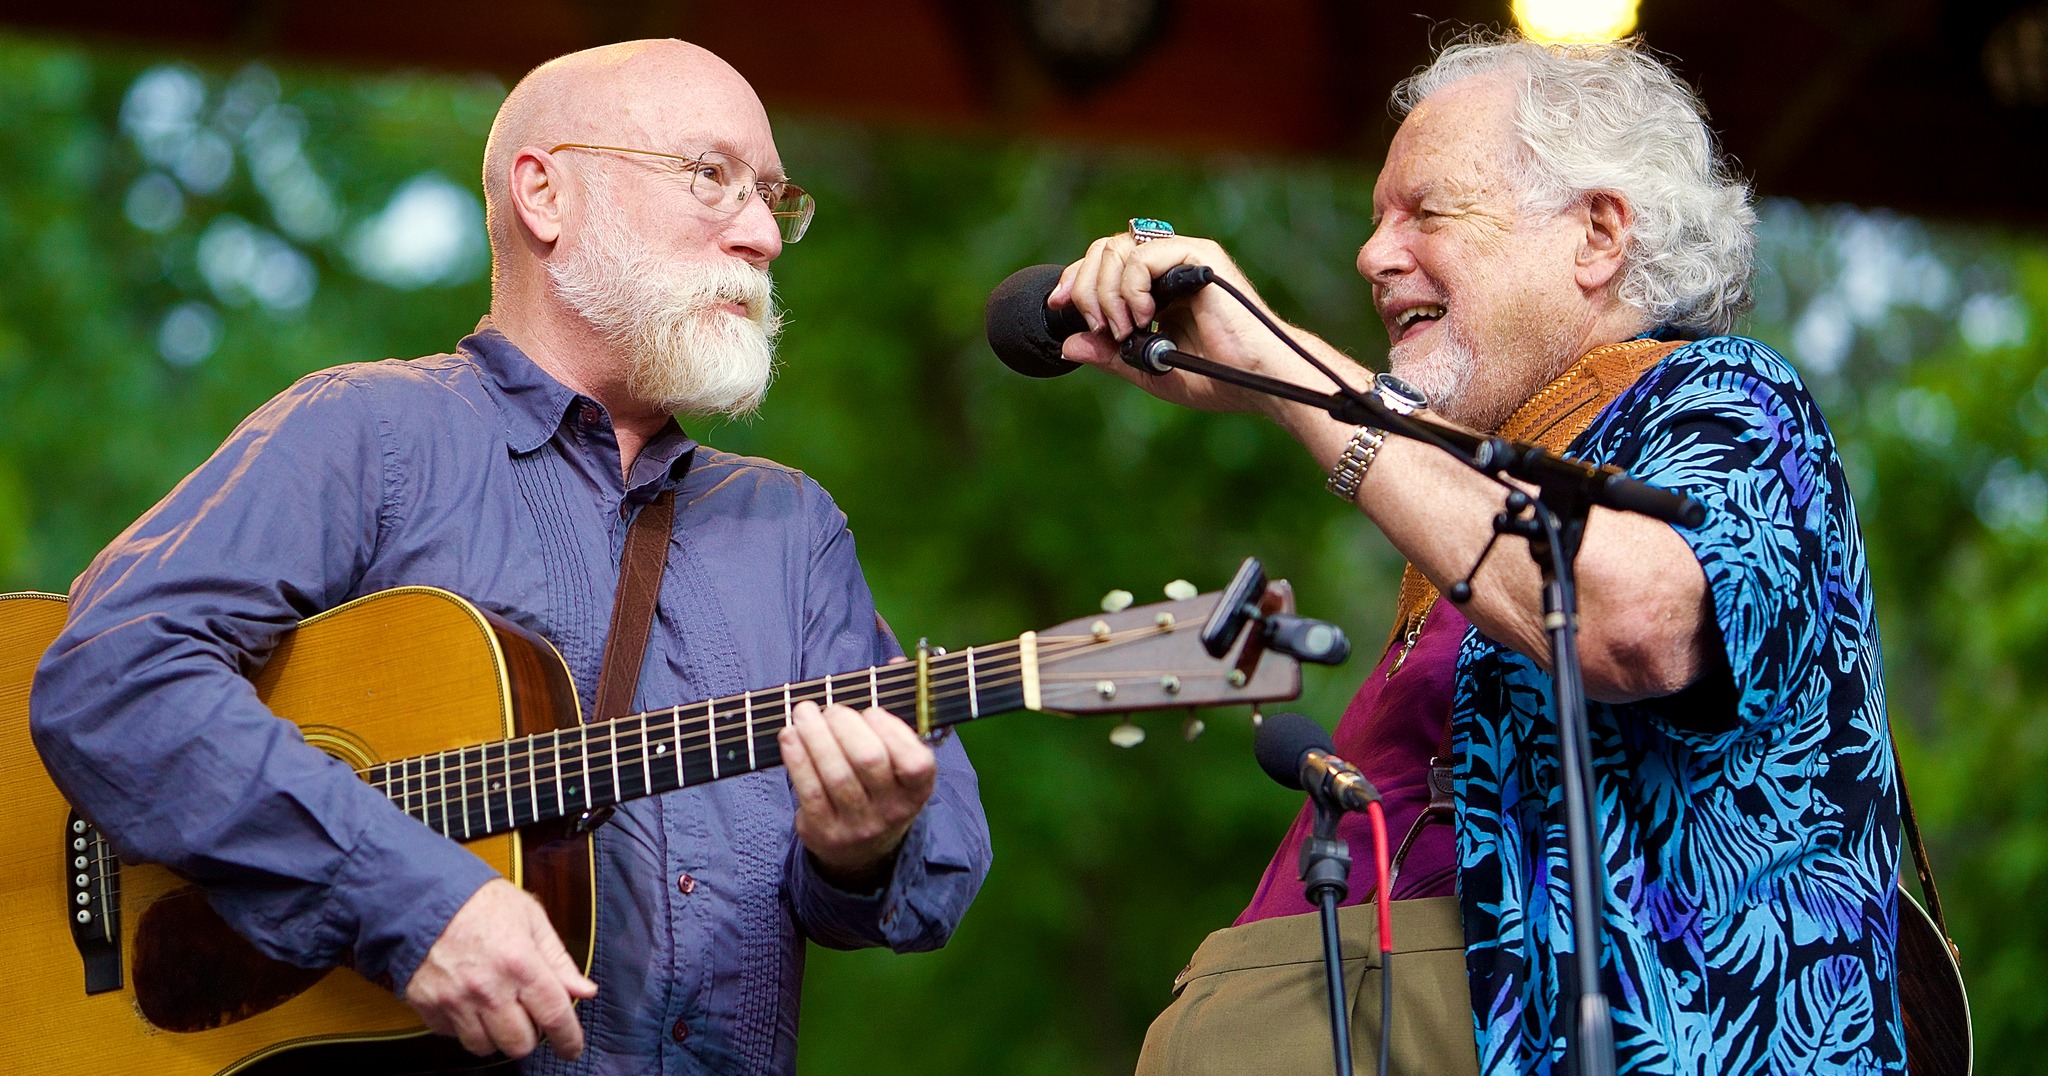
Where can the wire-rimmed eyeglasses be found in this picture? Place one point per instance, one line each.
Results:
(725, 182)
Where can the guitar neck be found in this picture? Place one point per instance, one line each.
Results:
(491, 788)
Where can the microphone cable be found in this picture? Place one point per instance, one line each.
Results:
(1382, 892)
(1209, 276)
(1286, 746)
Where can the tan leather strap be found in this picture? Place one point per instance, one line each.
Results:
(640, 567)
(1553, 418)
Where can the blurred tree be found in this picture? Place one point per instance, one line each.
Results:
(189, 238)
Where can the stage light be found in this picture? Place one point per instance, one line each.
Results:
(1575, 21)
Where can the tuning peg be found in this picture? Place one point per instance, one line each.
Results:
(1116, 601)
(1191, 728)
(1181, 590)
(1127, 734)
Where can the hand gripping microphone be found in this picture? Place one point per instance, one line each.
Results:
(1026, 333)
(1296, 752)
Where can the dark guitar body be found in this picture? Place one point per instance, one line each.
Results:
(1931, 997)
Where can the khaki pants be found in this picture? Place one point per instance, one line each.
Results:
(1253, 999)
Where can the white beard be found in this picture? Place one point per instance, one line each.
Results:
(686, 355)
(1442, 374)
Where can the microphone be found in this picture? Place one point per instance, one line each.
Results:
(1026, 333)
(1296, 752)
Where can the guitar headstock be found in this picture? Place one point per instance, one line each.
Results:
(1152, 657)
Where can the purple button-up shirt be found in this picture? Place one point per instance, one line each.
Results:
(478, 473)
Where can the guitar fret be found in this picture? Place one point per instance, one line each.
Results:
(511, 805)
(711, 732)
(489, 786)
(501, 784)
(618, 790)
(540, 770)
(466, 798)
(582, 787)
(404, 779)
(646, 760)
(751, 764)
(675, 726)
(436, 781)
(434, 791)
(462, 796)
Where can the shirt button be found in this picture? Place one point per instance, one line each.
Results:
(686, 883)
(588, 413)
(679, 1030)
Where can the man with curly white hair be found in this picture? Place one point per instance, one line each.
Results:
(1558, 254)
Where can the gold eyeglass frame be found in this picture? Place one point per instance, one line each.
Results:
(777, 195)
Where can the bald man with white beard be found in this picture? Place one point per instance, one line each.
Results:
(635, 201)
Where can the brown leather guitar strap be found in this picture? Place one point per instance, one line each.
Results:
(640, 567)
(1920, 863)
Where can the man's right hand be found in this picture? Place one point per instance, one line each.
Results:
(499, 979)
(1111, 287)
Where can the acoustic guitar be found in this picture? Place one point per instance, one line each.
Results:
(470, 725)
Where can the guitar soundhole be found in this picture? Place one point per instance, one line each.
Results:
(193, 972)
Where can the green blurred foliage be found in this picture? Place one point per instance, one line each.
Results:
(152, 301)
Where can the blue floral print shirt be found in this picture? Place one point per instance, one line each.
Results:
(1749, 824)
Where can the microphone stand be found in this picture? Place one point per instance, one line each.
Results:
(1568, 490)
(1326, 879)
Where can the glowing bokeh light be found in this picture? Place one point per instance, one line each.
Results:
(1575, 21)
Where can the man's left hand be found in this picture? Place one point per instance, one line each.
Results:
(860, 780)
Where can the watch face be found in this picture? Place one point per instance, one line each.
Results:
(1400, 396)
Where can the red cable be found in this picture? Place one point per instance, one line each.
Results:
(1379, 848)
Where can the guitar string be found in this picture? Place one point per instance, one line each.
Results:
(544, 764)
(663, 723)
(544, 761)
(468, 794)
(654, 721)
(809, 691)
(660, 725)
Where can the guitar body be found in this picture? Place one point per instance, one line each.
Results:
(1931, 997)
(399, 673)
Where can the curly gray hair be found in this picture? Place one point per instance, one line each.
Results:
(1614, 118)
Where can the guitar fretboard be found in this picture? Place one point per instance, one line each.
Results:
(484, 789)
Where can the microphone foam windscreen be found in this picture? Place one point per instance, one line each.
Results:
(1281, 741)
(1016, 323)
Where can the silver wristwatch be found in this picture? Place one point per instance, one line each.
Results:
(1348, 473)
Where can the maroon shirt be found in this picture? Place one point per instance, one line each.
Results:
(1393, 727)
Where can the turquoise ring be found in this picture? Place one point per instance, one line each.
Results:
(1146, 229)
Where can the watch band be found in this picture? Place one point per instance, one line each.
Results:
(1349, 471)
